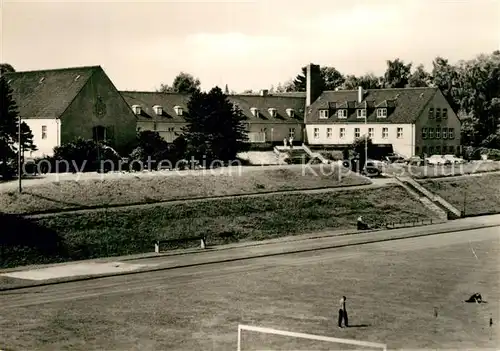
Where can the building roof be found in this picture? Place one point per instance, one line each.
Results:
(403, 105)
(245, 102)
(47, 93)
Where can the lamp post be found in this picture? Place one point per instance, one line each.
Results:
(19, 154)
(366, 140)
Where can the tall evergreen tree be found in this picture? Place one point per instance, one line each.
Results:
(216, 129)
(9, 119)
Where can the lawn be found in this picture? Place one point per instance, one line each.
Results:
(98, 233)
(393, 290)
(424, 172)
(113, 191)
(477, 195)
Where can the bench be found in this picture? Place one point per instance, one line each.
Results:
(203, 242)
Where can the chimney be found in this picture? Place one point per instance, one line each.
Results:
(360, 94)
(264, 92)
(308, 86)
(313, 74)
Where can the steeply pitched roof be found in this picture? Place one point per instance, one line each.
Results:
(245, 102)
(47, 93)
(148, 99)
(404, 105)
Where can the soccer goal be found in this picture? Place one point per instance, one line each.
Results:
(249, 345)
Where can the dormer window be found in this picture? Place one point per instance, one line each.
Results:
(342, 113)
(323, 114)
(158, 109)
(290, 112)
(272, 112)
(178, 110)
(381, 113)
(137, 109)
(361, 112)
(255, 111)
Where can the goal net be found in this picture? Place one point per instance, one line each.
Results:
(260, 338)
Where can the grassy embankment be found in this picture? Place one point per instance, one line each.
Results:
(141, 189)
(426, 172)
(477, 195)
(73, 236)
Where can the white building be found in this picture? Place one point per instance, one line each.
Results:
(413, 121)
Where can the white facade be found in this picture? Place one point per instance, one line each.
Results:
(401, 136)
(46, 136)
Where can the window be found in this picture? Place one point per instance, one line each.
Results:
(328, 133)
(452, 149)
(99, 133)
(445, 113)
(438, 113)
(342, 113)
(431, 133)
(450, 133)
(438, 149)
(399, 133)
(381, 112)
(44, 132)
(417, 149)
(158, 110)
(370, 132)
(424, 149)
(342, 133)
(323, 114)
(136, 109)
(445, 133)
(431, 150)
(290, 112)
(385, 133)
(361, 112)
(291, 133)
(424, 133)
(438, 133)
(178, 110)
(431, 113)
(272, 112)
(170, 129)
(357, 133)
(316, 133)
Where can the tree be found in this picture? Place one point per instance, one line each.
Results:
(9, 122)
(184, 83)
(351, 82)
(397, 74)
(6, 68)
(478, 95)
(419, 78)
(215, 129)
(332, 78)
(445, 77)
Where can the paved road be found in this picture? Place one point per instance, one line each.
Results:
(183, 277)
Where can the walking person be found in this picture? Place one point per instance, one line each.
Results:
(343, 313)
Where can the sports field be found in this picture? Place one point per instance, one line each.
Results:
(393, 289)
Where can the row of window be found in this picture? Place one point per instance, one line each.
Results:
(438, 113)
(360, 113)
(357, 133)
(432, 150)
(438, 133)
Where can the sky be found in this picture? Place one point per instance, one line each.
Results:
(246, 44)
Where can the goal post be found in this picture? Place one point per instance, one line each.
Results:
(264, 330)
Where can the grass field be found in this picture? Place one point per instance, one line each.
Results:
(425, 172)
(392, 289)
(155, 188)
(476, 195)
(129, 231)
